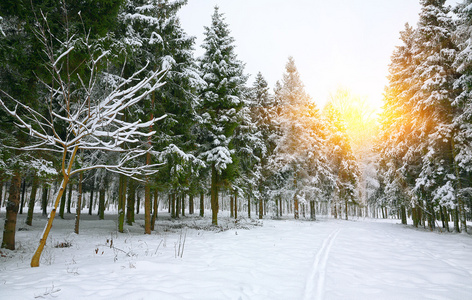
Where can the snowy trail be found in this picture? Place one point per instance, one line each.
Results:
(314, 288)
(283, 259)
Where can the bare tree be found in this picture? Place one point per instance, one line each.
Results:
(93, 119)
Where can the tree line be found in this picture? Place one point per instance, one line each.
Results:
(424, 166)
(106, 97)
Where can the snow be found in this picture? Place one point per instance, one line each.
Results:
(272, 259)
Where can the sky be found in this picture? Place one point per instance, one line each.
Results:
(335, 43)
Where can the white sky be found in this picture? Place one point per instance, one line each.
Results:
(334, 43)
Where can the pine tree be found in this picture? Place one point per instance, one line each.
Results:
(343, 163)
(300, 149)
(462, 122)
(397, 170)
(434, 54)
(221, 101)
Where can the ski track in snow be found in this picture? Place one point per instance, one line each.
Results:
(314, 287)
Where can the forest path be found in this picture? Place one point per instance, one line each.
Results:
(314, 288)
(283, 259)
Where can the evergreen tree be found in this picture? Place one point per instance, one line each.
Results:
(462, 122)
(220, 104)
(434, 54)
(300, 149)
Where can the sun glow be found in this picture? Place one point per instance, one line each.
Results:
(359, 115)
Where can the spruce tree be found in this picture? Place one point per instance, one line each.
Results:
(220, 102)
(434, 54)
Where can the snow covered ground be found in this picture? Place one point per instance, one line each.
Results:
(275, 259)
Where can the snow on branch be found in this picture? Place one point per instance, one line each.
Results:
(94, 116)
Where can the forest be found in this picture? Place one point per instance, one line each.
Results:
(106, 110)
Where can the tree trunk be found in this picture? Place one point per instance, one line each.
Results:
(346, 209)
(191, 206)
(155, 208)
(121, 203)
(130, 202)
(91, 201)
(147, 207)
(177, 205)
(261, 208)
(456, 220)
(446, 219)
(34, 190)
(13, 203)
(1, 192)
(101, 204)
(172, 205)
(295, 206)
(214, 195)
(182, 206)
(202, 204)
(69, 198)
(403, 214)
(312, 210)
(79, 203)
(231, 206)
(63, 205)
(44, 200)
(462, 214)
(281, 207)
(47, 229)
(23, 192)
(249, 206)
(236, 206)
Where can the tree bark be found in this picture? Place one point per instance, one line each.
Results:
(231, 206)
(13, 204)
(177, 205)
(79, 204)
(130, 202)
(403, 214)
(261, 208)
(191, 206)
(295, 206)
(101, 204)
(1, 192)
(121, 203)
(172, 205)
(44, 200)
(91, 201)
(214, 195)
(346, 209)
(63, 205)
(182, 206)
(249, 206)
(235, 205)
(47, 229)
(446, 219)
(456, 220)
(34, 190)
(69, 198)
(202, 204)
(23, 192)
(155, 208)
(147, 207)
(312, 210)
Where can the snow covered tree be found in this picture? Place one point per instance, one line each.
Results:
(434, 54)
(343, 163)
(300, 149)
(397, 136)
(91, 121)
(462, 122)
(152, 31)
(221, 102)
